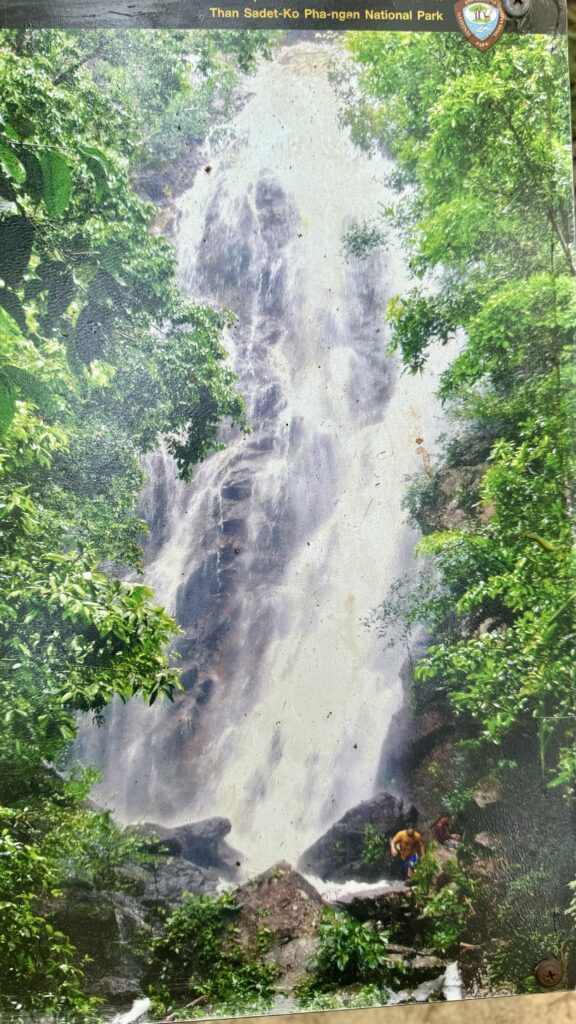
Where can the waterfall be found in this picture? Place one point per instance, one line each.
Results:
(276, 553)
(452, 988)
(137, 1012)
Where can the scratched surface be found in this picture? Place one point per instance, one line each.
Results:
(545, 15)
(95, 13)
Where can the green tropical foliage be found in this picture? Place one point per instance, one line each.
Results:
(350, 952)
(482, 175)
(36, 960)
(488, 225)
(101, 355)
(374, 846)
(198, 960)
(443, 911)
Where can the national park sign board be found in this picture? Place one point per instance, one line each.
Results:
(286, 500)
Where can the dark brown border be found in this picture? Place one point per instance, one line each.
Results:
(546, 16)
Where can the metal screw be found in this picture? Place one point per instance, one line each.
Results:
(516, 8)
(549, 973)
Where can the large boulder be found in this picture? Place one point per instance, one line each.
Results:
(281, 907)
(391, 905)
(118, 991)
(111, 928)
(167, 882)
(337, 855)
(201, 842)
(281, 901)
(390, 908)
(291, 959)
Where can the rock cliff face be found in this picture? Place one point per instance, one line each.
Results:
(418, 755)
(337, 855)
(102, 926)
(113, 927)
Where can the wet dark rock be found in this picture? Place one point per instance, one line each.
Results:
(238, 490)
(427, 965)
(275, 215)
(118, 991)
(337, 855)
(204, 692)
(418, 752)
(291, 958)
(390, 905)
(269, 403)
(102, 926)
(199, 842)
(261, 444)
(163, 181)
(404, 951)
(111, 927)
(234, 527)
(133, 879)
(167, 883)
(228, 555)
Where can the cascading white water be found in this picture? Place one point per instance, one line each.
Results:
(137, 1012)
(276, 553)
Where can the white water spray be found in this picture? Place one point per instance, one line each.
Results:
(137, 1012)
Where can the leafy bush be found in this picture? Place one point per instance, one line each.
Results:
(494, 269)
(38, 969)
(198, 957)
(423, 500)
(361, 239)
(53, 842)
(359, 997)
(513, 960)
(373, 846)
(91, 319)
(350, 952)
(443, 913)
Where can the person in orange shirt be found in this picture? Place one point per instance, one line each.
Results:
(409, 845)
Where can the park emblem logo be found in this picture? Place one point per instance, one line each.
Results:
(481, 21)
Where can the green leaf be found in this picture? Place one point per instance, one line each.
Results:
(7, 407)
(100, 167)
(11, 165)
(57, 183)
(17, 379)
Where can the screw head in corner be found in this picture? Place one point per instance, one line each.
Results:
(516, 8)
(549, 973)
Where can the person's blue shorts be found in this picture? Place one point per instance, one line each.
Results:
(408, 864)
